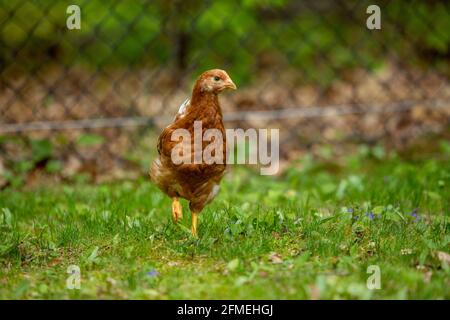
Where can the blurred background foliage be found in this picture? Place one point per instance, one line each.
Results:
(138, 59)
(246, 36)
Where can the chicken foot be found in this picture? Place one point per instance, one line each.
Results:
(194, 224)
(177, 210)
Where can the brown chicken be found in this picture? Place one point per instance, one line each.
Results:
(196, 181)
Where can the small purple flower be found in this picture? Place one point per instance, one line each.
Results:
(152, 273)
(415, 215)
(370, 215)
(350, 210)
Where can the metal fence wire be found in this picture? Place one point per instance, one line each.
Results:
(94, 99)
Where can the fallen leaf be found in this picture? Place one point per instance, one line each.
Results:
(427, 273)
(443, 257)
(427, 276)
(275, 258)
(72, 166)
(55, 262)
(172, 263)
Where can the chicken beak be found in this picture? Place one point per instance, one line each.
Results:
(230, 85)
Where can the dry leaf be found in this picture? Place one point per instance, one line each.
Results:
(427, 276)
(55, 262)
(172, 263)
(275, 258)
(427, 273)
(72, 166)
(443, 257)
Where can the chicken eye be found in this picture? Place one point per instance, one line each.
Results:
(216, 78)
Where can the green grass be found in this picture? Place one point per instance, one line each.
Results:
(299, 236)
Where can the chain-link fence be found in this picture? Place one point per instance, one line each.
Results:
(93, 99)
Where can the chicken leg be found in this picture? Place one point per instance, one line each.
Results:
(194, 224)
(177, 210)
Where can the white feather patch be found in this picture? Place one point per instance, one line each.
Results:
(183, 107)
(213, 193)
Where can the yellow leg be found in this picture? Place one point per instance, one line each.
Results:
(177, 210)
(194, 224)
